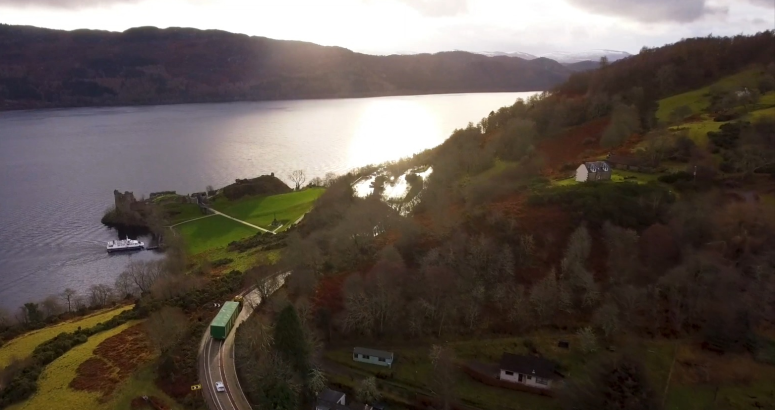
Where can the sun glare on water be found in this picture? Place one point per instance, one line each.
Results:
(390, 130)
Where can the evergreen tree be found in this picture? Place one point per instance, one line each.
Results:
(289, 341)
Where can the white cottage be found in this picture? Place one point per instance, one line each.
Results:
(528, 370)
(593, 171)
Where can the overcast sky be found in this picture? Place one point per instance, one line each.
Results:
(390, 26)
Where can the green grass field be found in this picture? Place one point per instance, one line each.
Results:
(212, 232)
(140, 384)
(53, 385)
(23, 346)
(261, 211)
(182, 212)
(698, 99)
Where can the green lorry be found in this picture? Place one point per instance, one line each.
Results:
(224, 321)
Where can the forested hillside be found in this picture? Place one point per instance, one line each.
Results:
(48, 68)
(670, 260)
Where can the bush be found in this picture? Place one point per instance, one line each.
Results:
(625, 204)
(221, 262)
(675, 177)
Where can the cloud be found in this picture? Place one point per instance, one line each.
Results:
(763, 3)
(437, 8)
(63, 4)
(651, 11)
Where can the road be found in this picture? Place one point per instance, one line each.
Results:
(216, 357)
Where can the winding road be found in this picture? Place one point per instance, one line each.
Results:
(216, 357)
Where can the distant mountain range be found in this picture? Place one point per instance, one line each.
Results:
(565, 57)
(52, 68)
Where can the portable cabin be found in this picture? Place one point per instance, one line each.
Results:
(372, 356)
(224, 320)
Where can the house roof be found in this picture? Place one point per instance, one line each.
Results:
(330, 396)
(529, 365)
(596, 166)
(373, 352)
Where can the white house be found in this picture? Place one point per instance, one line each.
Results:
(593, 171)
(528, 370)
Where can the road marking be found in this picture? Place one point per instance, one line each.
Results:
(209, 376)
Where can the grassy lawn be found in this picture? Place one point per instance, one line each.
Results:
(212, 232)
(53, 385)
(769, 112)
(617, 176)
(181, 212)
(241, 261)
(23, 346)
(698, 100)
(698, 131)
(140, 384)
(261, 211)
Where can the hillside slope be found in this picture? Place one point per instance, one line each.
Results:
(47, 68)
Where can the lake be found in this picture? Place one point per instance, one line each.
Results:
(59, 167)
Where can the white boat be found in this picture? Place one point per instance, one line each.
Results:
(125, 245)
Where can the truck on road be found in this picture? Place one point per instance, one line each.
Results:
(224, 320)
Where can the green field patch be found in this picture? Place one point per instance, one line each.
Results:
(177, 212)
(142, 383)
(54, 384)
(698, 100)
(212, 232)
(22, 346)
(766, 113)
(261, 211)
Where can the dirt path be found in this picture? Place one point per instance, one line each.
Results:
(190, 220)
(240, 221)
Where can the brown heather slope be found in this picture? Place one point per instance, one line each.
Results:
(54, 68)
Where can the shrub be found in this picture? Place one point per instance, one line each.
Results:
(676, 177)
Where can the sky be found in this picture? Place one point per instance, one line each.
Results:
(411, 26)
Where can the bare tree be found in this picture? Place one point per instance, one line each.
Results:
(100, 295)
(329, 179)
(257, 334)
(124, 285)
(317, 381)
(607, 319)
(68, 295)
(443, 382)
(366, 390)
(6, 319)
(544, 297)
(166, 327)
(51, 306)
(587, 339)
(298, 177)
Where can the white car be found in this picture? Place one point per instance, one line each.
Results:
(220, 387)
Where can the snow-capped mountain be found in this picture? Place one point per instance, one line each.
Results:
(569, 57)
(519, 54)
(564, 57)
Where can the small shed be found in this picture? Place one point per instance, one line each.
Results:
(593, 171)
(372, 356)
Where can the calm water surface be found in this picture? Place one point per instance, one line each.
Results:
(60, 167)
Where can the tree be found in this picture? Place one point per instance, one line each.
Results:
(316, 381)
(603, 61)
(31, 314)
(624, 122)
(622, 244)
(298, 178)
(544, 297)
(124, 285)
(289, 341)
(680, 113)
(51, 306)
(5, 319)
(615, 383)
(366, 390)
(166, 328)
(587, 339)
(276, 384)
(68, 295)
(606, 317)
(666, 78)
(443, 382)
(100, 295)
